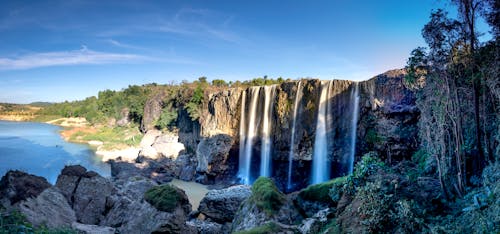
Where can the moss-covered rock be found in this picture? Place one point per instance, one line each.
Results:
(267, 196)
(166, 197)
(321, 192)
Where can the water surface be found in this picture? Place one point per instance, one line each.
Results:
(37, 148)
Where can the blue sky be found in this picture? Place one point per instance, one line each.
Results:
(70, 49)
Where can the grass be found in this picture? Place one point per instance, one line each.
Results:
(320, 192)
(112, 137)
(163, 197)
(267, 228)
(267, 196)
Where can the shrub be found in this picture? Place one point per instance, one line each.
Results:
(163, 197)
(266, 195)
(321, 192)
(369, 165)
(167, 118)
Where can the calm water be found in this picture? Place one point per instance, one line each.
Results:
(38, 149)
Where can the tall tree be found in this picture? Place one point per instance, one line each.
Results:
(469, 11)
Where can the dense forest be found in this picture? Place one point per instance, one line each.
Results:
(457, 84)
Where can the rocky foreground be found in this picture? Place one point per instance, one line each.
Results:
(374, 198)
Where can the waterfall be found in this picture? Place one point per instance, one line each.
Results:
(320, 167)
(265, 156)
(250, 135)
(354, 124)
(298, 98)
(242, 166)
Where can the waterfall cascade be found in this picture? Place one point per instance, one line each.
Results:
(256, 120)
(354, 125)
(327, 130)
(298, 98)
(320, 167)
(265, 155)
(250, 136)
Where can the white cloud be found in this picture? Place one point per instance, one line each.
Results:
(61, 58)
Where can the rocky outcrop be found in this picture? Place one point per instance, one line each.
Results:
(16, 186)
(206, 227)
(130, 213)
(213, 158)
(222, 205)
(221, 114)
(250, 216)
(86, 193)
(156, 144)
(152, 111)
(388, 117)
(49, 208)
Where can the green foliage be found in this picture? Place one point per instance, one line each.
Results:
(268, 228)
(373, 138)
(267, 196)
(167, 118)
(321, 192)
(163, 197)
(370, 163)
(219, 83)
(15, 222)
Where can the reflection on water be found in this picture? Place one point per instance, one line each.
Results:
(38, 149)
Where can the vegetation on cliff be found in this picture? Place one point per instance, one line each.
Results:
(457, 81)
(267, 196)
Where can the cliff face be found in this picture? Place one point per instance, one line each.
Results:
(388, 117)
(386, 123)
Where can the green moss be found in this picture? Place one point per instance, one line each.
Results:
(267, 228)
(163, 197)
(372, 137)
(331, 228)
(267, 196)
(320, 192)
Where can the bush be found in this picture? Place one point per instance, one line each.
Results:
(321, 192)
(369, 165)
(267, 228)
(266, 195)
(167, 118)
(163, 197)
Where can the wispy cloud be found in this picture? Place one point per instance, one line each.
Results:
(61, 58)
(187, 22)
(124, 45)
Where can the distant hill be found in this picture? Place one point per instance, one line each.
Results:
(41, 104)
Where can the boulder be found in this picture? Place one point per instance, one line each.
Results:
(50, 208)
(86, 192)
(206, 227)
(212, 154)
(92, 229)
(150, 137)
(222, 205)
(148, 152)
(16, 186)
(130, 213)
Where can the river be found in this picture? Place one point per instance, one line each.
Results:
(37, 148)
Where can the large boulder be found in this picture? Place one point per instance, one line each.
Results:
(150, 137)
(168, 145)
(50, 208)
(130, 213)
(16, 186)
(86, 192)
(206, 227)
(212, 154)
(222, 205)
